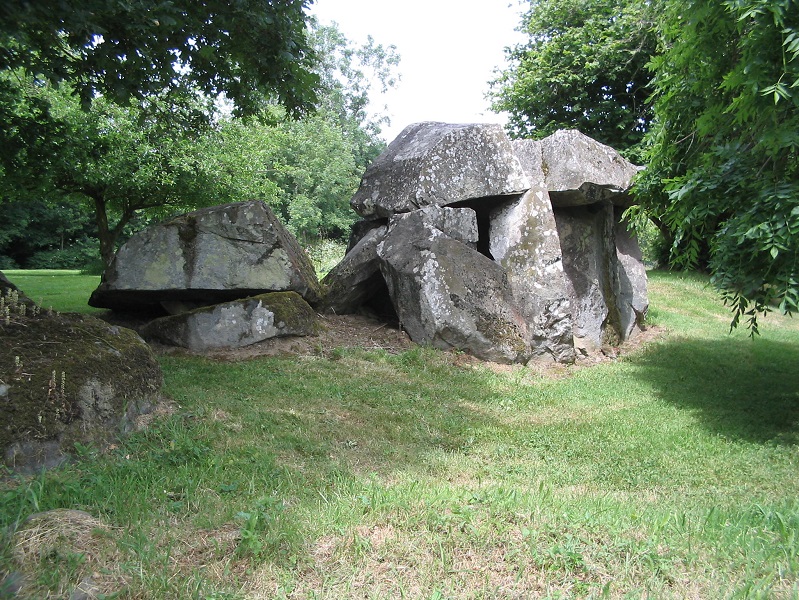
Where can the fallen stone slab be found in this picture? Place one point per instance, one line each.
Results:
(354, 280)
(205, 257)
(446, 293)
(235, 324)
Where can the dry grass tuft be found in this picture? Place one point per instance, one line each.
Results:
(77, 550)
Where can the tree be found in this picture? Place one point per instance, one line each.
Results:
(160, 155)
(583, 67)
(34, 234)
(122, 50)
(347, 76)
(723, 151)
(121, 160)
(305, 170)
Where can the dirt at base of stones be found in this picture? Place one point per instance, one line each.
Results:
(337, 331)
(368, 333)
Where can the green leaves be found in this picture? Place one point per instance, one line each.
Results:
(724, 147)
(583, 67)
(246, 50)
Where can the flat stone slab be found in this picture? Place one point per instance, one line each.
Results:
(577, 170)
(207, 256)
(235, 324)
(439, 164)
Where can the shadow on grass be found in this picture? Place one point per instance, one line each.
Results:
(366, 412)
(740, 389)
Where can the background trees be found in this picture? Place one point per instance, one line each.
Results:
(723, 151)
(246, 50)
(583, 66)
(116, 160)
(178, 148)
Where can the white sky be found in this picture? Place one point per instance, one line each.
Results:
(448, 48)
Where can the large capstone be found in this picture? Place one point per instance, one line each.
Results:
(578, 170)
(205, 257)
(439, 164)
(235, 324)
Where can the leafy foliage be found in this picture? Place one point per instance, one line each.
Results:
(582, 67)
(164, 154)
(119, 160)
(34, 234)
(347, 76)
(305, 170)
(246, 49)
(724, 146)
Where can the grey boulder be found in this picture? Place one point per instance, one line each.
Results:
(603, 264)
(69, 380)
(439, 164)
(207, 256)
(524, 242)
(446, 293)
(356, 279)
(235, 324)
(577, 169)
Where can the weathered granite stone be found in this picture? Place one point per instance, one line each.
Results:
(361, 228)
(550, 295)
(524, 241)
(205, 257)
(633, 301)
(579, 170)
(69, 379)
(590, 263)
(354, 280)
(585, 180)
(439, 164)
(446, 293)
(235, 324)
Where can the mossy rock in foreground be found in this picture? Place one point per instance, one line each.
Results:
(68, 379)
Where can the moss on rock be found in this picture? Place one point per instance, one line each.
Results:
(67, 379)
(236, 324)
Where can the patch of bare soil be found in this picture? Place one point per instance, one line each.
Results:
(367, 333)
(336, 332)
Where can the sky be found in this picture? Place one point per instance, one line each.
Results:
(449, 50)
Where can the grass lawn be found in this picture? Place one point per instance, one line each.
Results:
(62, 290)
(672, 472)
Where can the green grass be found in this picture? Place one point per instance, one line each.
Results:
(670, 473)
(62, 290)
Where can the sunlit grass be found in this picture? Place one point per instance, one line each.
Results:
(670, 473)
(62, 290)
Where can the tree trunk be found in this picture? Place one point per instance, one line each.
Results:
(104, 233)
(107, 235)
